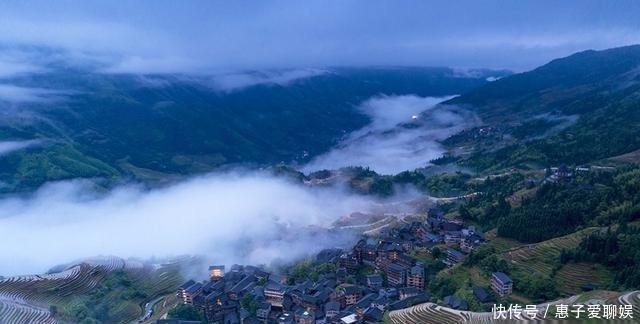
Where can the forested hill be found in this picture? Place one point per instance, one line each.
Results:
(573, 110)
(572, 84)
(102, 125)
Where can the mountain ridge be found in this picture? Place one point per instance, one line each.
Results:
(173, 125)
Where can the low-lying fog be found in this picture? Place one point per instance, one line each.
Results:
(228, 218)
(236, 217)
(403, 135)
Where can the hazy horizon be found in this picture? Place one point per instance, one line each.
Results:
(196, 37)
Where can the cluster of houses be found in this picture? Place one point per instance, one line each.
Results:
(564, 174)
(392, 280)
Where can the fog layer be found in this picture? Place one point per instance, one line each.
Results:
(403, 135)
(228, 218)
(7, 147)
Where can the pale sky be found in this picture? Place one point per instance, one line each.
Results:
(197, 36)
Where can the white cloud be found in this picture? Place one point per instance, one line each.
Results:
(229, 218)
(10, 68)
(15, 94)
(7, 147)
(395, 141)
(236, 81)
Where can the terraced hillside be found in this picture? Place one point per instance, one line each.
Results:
(573, 275)
(52, 298)
(431, 313)
(539, 257)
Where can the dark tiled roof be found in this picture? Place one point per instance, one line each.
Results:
(213, 285)
(236, 267)
(417, 270)
(374, 279)
(366, 301)
(194, 288)
(394, 247)
(396, 267)
(332, 305)
(373, 314)
(213, 296)
(482, 294)
(309, 299)
(381, 299)
(456, 303)
(351, 290)
(399, 304)
(187, 284)
(451, 227)
(243, 284)
(502, 277)
(274, 286)
(328, 255)
(455, 253)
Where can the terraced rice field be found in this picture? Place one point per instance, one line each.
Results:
(426, 313)
(572, 275)
(540, 257)
(501, 244)
(429, 313)
(631, 298)
(26, 299)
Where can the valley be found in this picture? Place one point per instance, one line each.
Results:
(407, 195)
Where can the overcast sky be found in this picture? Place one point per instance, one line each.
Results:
(180, 36)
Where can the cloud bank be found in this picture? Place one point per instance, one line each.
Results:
(237, 81)
(403, 135)
(134, 37)
(228, 218)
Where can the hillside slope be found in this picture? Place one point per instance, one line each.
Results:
(104, 125)
(573, 110)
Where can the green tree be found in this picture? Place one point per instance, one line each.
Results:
(186, 312)
(436, 252)
(249, 303)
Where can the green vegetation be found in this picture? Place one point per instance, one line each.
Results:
(186, 312)
(27, 169)
(366, 181)
(551, 237)
(616, 249)
(188, 126)
(555, 209)
(563, 220)
(249, 303)
(117, 297)
(309, 269)
(521, 108)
